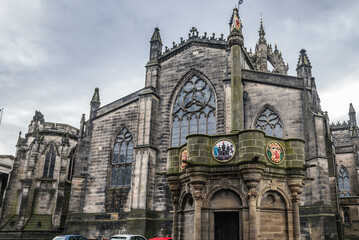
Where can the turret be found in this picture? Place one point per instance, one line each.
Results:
(95, 103)
(352, 116)
(235, 42)
(152, 67)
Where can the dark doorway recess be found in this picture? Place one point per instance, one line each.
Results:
(226, 226)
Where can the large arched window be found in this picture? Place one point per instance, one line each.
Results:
(72, 158)
(269, 122)
(49, 165)
(122, 157)
(343, 183)
(194, 111)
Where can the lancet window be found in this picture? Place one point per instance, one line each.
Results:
(346, 215)
(72, 158)
(49, 165)
(343, 183)
(122, 157)
(269, 122)
(194, 111)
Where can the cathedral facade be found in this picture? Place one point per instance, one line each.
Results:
(215, 146)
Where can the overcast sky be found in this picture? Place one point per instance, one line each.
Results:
(54, 53)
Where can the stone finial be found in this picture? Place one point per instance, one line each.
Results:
(193, 32)
(156, 36)
(303, 60)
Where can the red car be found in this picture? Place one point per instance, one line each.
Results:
(161, 238)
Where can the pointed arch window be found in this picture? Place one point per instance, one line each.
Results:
(269, 122)
(49, 165)
(346, 215)
(122, 157)
(72, 159)
(343, 183)
(194, 111)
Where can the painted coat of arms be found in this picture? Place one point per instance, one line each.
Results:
(183, 159)
(223, 150)
(275, 152)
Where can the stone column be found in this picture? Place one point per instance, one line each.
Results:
(296, 221)
(252, 174)
(295, 185)
(253, 228)
(174, 184)
(198, 200)
(235, 41)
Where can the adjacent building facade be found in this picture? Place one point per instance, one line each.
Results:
(215, 146)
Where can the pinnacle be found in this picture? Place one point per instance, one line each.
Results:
(235, 24)
(156, 35)
(303, 60)
(351, 108)
(96, 96)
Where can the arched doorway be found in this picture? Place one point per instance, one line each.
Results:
(227, 213)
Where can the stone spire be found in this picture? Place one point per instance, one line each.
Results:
(264, 55)
(352, 116)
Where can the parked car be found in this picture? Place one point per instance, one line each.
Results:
(161, 238)
(127, 237)
(70, 237)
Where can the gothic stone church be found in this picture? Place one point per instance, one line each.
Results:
(215, 146)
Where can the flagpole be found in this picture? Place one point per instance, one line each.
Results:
(2, 110)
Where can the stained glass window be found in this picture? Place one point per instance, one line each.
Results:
(49, 165)
(343, 183)
(194, 111)
(72, 158)
(122, 159)
(269, 122)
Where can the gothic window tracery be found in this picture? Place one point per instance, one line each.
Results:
(269, 122)
(343, 183)
(194, 111)
(49, 165)
(121, 163)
